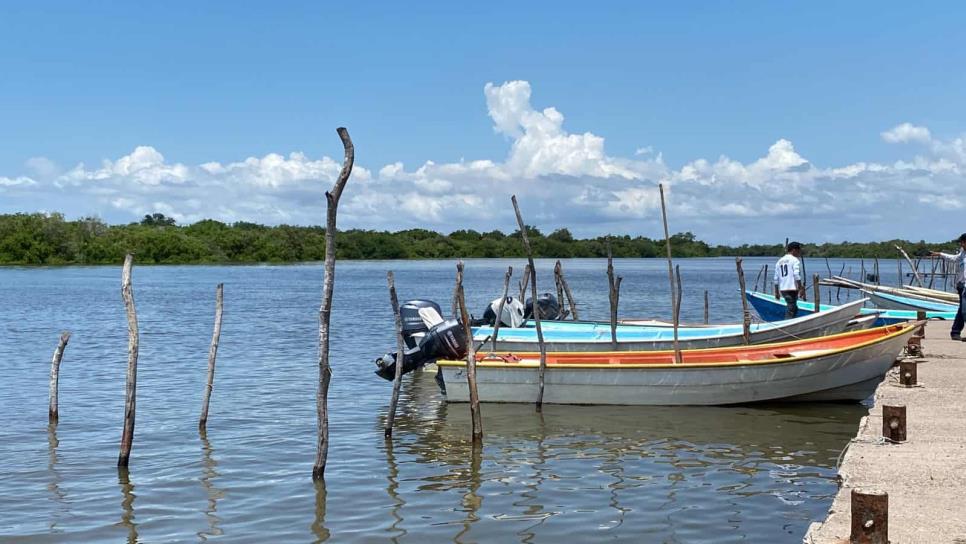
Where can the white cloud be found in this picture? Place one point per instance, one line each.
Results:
(906, 132)
(562, 180)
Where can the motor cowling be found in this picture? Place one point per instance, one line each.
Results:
(413, 324)
(446, 340)
(511, 315)
(549, 307)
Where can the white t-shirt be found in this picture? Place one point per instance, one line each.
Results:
(788, 269)
(960, 259)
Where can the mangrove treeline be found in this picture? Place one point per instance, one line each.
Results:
(49, 239)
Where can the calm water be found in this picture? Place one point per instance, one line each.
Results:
(758, 473)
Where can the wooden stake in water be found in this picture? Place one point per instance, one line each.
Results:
(212, 353)
(745, 315)
(915, 268)
(678, 296)
(52, 412)
(818, 293)
(536, 307)
(706, 314)
(613, 293)
(670, 272)
(499, 309)
(560, 291)
(130, 389)
(558, 269)
(475, 416)
(524, 283)
(400, 348)
(325, 310)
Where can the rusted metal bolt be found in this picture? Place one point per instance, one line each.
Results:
(894, 423)
(870, 517)
(907, 373)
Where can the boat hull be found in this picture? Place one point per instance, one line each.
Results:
(890, 301)
(770, 309)
(847, 375)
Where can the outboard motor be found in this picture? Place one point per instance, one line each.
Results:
(414, 325)
(511, 316)
(549, 307)
(443, 340)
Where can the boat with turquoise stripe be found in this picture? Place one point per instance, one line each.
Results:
(566, 336)
(893, 301)
(771, 309)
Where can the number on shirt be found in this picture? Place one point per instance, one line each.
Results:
(784, 269)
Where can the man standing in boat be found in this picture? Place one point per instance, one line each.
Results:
(788, 279)
(959, 259)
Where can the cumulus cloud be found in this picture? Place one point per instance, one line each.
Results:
(906, 132)
(562, 180)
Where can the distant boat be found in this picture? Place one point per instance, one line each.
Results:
(845, 366)
(892, 301)
(596, 336)
(771, 309)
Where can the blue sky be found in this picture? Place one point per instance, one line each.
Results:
(235, 84)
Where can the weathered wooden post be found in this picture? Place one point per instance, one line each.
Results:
(130, 389)
(212, 353)
(499, 309)
(921, 318)
(678, 295)
(894, 422)
(52, 412)
(400, 348)
(524, 283)
(876, 266)
(613, 294)
(915, 268)
(818, 293)
(899, 266)
(475, 417)
(707, 315)
(670, 271)
(560, 292)
(745, 315)
(325, 310)
(558, 269)
(536, 307)
(870, 517)
(758, 277)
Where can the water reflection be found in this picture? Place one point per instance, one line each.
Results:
(624, 469)
(127, 504)
(393, 490)
(319, 529)
(209, 473)
(54, 479)
(472, 500)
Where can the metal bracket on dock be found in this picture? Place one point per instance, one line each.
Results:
(894, 422)
(914, 346)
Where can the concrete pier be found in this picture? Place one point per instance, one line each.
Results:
(925, 475)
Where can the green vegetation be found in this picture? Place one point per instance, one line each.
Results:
(50, 239)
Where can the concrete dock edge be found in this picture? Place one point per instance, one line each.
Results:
(925, 476)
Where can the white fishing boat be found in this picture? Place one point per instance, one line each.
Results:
(845, 366)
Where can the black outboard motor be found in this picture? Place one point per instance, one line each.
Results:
(549, 307)
(413, 325)
(444, 340)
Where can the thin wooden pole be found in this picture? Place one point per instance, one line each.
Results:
(758, 277)
(899, 266)
(877, 279)
(612, 295)
(130, 389)
(475, 416)
(499, 309)
(679, 295)
(764, 283)
(52, 413)
(745, 315)
(325, 310)
(670, 272)
(838, 291)
(932, 275)
(524, 283)
(707, 315)
(570, 296)
(560, 291)
(536, 307)
(818, 293)
(400, 347)
(212, 353)
(915, 268)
